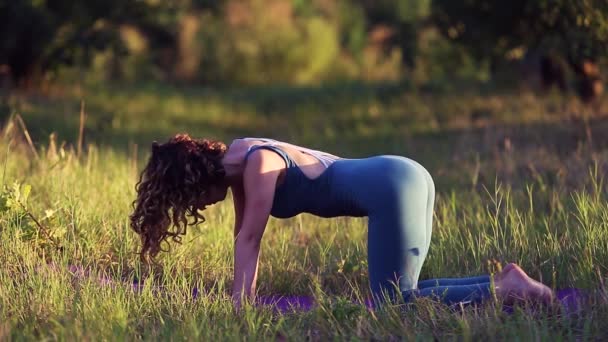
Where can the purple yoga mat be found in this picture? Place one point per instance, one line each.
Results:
(287, 303)
(572, 299)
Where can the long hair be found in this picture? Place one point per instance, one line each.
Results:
(178, 173)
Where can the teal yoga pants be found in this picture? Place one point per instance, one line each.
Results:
(399, 234)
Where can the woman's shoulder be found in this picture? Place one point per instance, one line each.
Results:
(250, 142)
(239, 148)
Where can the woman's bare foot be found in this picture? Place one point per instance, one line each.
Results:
(510, 266)
(514, 284)
(503, 272)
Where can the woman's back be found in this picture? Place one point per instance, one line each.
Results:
(312, 162)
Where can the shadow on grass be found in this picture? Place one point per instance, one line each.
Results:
(326, 118)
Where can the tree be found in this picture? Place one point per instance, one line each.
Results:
(38, 36)
(403, 19)
(574, 31)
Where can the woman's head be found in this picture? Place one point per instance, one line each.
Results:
(182, 177)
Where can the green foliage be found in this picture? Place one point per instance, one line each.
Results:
(575, 29)
(352, 27)
(13, 201)
(289, 42)
(12, 198)
(14, 213)
(38, 36)
(487, 28)
(578, 28)
(268, 48)
(405, 18)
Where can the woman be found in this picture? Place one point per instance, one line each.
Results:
(268, 177)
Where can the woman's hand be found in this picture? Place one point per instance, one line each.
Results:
(236, 302)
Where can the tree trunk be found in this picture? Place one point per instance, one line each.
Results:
(188, 53)
(590, 85)
(553, 73)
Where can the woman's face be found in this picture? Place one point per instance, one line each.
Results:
(214, 194)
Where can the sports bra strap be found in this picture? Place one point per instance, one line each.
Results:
(325, 158)
(273, 148)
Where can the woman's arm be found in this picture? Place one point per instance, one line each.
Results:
(238, 197)
(259, 184)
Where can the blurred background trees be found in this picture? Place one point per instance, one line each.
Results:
(305, 42)
(560, 34)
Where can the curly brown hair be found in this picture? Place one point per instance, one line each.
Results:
(177, 174)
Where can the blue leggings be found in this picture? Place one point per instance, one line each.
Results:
(453, 290)
(399, 237)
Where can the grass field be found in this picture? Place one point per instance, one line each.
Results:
(520, 178)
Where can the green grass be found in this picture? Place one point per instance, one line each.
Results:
(519, 179)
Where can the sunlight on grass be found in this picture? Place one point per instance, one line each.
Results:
(76, 275)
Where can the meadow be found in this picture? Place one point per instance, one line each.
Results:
(519, 178)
